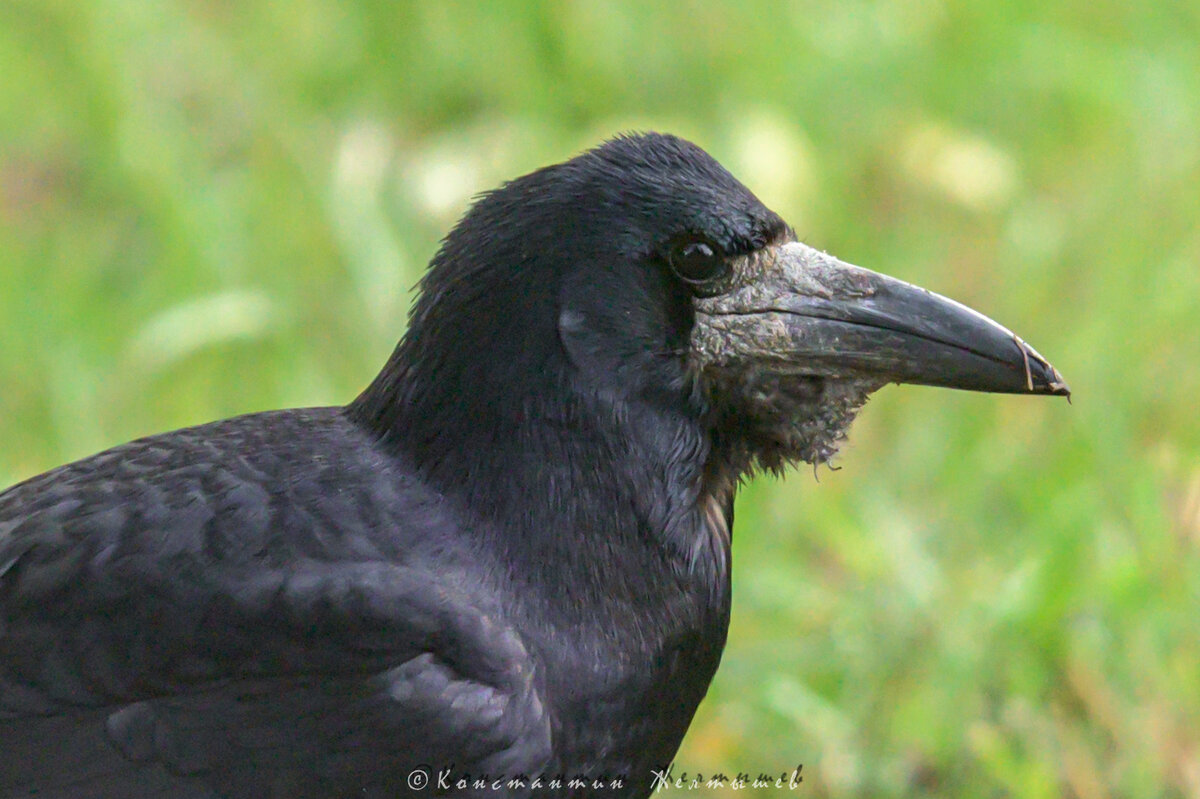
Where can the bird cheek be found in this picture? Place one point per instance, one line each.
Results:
(758, 342)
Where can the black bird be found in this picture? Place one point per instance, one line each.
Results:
(509, 556)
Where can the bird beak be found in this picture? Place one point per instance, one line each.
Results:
(808, 313)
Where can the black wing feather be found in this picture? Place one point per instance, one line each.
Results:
(260, 607)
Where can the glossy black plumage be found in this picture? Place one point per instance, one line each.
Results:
(509, 556)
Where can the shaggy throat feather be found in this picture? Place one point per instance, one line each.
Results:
(772, 420)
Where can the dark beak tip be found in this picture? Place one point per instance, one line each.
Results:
(1042, 378)
(1058, 387)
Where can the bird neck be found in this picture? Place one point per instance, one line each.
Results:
(569, 473)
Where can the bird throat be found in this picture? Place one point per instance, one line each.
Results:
(767, 421)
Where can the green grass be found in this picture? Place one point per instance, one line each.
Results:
(215, 207)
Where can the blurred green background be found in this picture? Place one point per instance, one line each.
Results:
(220, 206)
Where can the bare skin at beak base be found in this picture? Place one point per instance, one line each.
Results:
(794, 309)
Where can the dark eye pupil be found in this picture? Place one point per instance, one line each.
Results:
(697, 261)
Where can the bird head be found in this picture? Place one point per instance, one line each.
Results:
(643, 277)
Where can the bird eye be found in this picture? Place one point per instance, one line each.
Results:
(697, 261)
